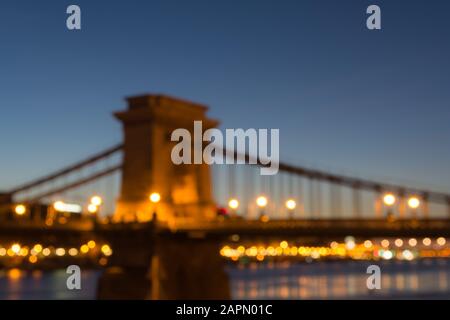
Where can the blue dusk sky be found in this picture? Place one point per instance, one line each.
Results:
(370, 103)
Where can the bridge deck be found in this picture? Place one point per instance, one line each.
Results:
(326, 228)
(322, 227)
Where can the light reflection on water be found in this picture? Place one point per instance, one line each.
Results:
(18, 284)
(427, 278)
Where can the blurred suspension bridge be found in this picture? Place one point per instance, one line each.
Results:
(132, 211)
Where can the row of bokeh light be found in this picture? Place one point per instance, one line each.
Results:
(387, 249)
(60, 206)
(262, 201)
(37, 251)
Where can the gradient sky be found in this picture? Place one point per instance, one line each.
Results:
(370, 103)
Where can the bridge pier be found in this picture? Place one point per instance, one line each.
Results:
(189, 269)
(163, 266)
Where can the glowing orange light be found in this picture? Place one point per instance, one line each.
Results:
(155, 197)
(84, 248)
(106, 250)
(91, 244)
(14, 274)
(20, 210)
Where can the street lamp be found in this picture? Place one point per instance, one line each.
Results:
(155, 198)
(233, 204)
(94, 205)
(389, 200)
(92, 208)
(290, 205)
(20, 209)
(97, 201)
(414, 204)
(261, 202)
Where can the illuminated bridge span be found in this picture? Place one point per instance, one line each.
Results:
(154, 214)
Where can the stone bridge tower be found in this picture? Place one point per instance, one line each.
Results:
(186, 190)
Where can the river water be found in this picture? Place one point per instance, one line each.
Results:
(420, 279)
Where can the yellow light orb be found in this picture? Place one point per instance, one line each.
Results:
(413, 202)
(15, 248)
(84, 248)
(23, 252)
(385, 243)
(46, 252)
(368, 244)
(441, 241)
(155, 197)
(60, 252)
(426, 241)
(91, 244)
(261, 201)
(233, 204)
(92, 208)
(96, 200)
(73, 252)
(389, 199)
(398, 242)
(37, 248)
(290, 204)
(32, 259)
(106, 250)
(20, 210)
(412, 242)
